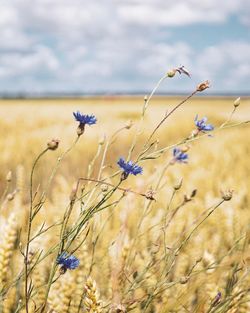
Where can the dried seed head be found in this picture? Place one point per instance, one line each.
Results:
(9, 176)
(104, 188)
(237, 102)
(203, 86)
(118, 308)
(227, 194)
(150, 194)
(53, 144)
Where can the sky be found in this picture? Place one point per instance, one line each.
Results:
(110, 46)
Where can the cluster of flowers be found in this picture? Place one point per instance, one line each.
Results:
(128, 168)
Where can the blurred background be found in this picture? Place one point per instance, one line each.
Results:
(122, 46)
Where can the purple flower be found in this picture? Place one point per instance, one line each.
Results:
(129, 168)
(67, 262)
(84, 119)
(179, 156)
(201, 124)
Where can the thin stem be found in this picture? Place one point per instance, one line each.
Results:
(29, 229)
(145, 106)
(152, 93)
(230, 117)
(198, 225)
(111, 185)
(170, 113)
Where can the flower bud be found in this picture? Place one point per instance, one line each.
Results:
(185, 148)
(178, 185)
(237, 102)
(187, 198)
(195, 133)
(102, 140)
(10, 196)
(203, 86)
(129, 124)
(9, 176)
(73, 193)
(53, 144)
(146, 98)
(183, 280)
(171, 73)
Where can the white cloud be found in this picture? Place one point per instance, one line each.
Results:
(227, 63)
(114, 44)
(38, 61)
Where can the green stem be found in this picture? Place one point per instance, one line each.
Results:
(29, 229)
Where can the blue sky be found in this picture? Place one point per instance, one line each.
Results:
(123, 45)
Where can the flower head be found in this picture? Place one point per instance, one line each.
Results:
(68, 262)
(129, 168)
(201, 124)
(179, 156)
(85, 119)
(180, 70)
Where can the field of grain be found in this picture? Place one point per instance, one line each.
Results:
(186, 250)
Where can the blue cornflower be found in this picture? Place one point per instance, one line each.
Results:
(129, 168)
(201, 124)
(179, 156)
(68, 262)
(85, 119)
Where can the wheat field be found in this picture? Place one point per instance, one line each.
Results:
(175, 238)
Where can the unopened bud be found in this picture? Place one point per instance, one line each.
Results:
(73, 193)
(203, 86)
(193, 193)
(178, 185)
(171, 73)
(187, 198)
(183, 280)
(185, 148)
(195, 133)
(10, 196)
(227, 195)
(9, 176)
(129, 124)
(237, 102)
(145, 98)
(102, 140)
(217, 299)
(53, 144)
